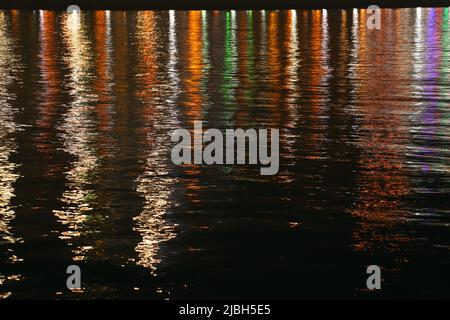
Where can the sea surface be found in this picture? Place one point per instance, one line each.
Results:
(87, 105)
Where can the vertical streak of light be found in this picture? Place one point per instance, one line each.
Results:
(263, 50)
(250, 51)
(291, 85)
(244, 71)
(324, 46)
(194, 94)
(109, 45)
(274, 67)
(354, 49)
(155, 184)
(205, 58)
(173, 59)
(429, 115)
(292, 46)
(319, 92)
(194, 102)
(418, 64)
(205, 43)
(79, 195)
(293, 65)
(103, 64)
(230, 66)
(172, 66)
(343, 33)
(382, 137)
(9, 65)
(49, 71)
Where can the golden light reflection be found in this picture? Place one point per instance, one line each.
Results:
(193, 87)
(156, 188)
(147, 64)
(317, 83)
(127, 87)
(79, 195)
(15, 22)
(121, 68)
(383, 138)
(192, 83)
(156, 183)
(51, 80)
(205, 61)
(274, 67)
(325, 50)
(9, 66)
(103, 65)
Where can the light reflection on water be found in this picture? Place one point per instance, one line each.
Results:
(9, 75)
(76, 131)
(87, 104)
(157, 181)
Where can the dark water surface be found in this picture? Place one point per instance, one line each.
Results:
(87, 104)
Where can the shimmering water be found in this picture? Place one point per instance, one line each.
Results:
(87, 104)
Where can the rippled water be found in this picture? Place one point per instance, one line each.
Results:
(87, 104)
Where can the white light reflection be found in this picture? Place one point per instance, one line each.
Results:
(293, 58)
(173, 73)
(325, 49)
(354, 50)
(263, 33)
